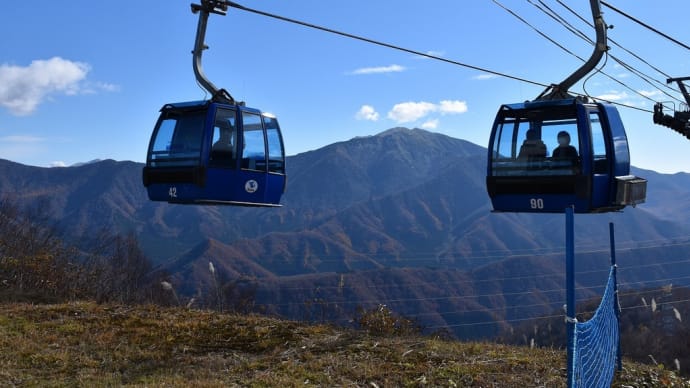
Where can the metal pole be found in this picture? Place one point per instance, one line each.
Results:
(616, 306)
(570, 290)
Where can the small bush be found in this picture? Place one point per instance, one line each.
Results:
(382, 321)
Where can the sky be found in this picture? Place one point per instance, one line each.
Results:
(86, 81)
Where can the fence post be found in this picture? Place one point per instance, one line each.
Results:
(570, 291)
(616, 306)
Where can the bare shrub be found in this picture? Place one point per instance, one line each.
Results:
(382, 321)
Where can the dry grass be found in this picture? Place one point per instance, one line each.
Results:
(86, 344)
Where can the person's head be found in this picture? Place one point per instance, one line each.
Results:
(225, 134)
(563, 138)
(531, 134)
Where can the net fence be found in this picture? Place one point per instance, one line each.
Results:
(596, 342)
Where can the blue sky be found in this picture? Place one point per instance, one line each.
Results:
(86, 81)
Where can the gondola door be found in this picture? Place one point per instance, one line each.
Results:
(237, 165)
(251, 185)
(600, 159)
(276, 179)
(223, 166)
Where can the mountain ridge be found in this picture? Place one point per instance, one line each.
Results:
(406, 205)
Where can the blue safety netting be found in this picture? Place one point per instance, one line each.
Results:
(596, 342)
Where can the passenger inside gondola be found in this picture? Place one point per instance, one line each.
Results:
(224, 135)
(222, 152)
(564, 149)
(527, 146)
(532, 148)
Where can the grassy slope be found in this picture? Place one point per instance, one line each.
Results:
(95, 345)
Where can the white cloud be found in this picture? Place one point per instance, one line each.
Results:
(432, 53)
(93, 88)
(453, 107)
(379, 70)
(367, 112)
(22, 89)
(431, 124)
(406, 112)
(613, 96)
(484, 77)
(58, 163)
(650, 94)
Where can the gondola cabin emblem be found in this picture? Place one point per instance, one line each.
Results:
(251, 186)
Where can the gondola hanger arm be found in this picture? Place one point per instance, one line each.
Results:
(560, 91)
(204, 9)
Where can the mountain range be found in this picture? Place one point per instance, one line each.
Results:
(400, 218)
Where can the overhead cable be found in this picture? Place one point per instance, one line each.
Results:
(580, 58)
(379, 43)
(399, 48)
(633, 70)
(561, 20)
(646, 25)
(537, 30)
(613, 41)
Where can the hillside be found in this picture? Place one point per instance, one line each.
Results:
(400, 218)
(399, 194)
(84, 344)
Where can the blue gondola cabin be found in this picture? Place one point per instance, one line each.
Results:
(206, 152)
(545, 156)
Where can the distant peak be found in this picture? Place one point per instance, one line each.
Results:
(394, 131)
(406, 132)
(388, 132)
(86, 163)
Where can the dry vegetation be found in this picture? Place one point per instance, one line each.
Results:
(126, 337)
(89, 344)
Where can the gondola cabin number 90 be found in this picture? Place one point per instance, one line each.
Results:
(547, 155)
(536, 203)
